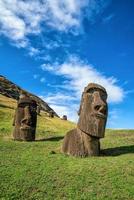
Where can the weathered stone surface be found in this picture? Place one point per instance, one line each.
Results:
(93, 110)
(38, 109)
(25, 119)
(64, 117)
(51, 114)
(84, 140)
(78, 143)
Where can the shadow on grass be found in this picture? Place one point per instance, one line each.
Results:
(53, 139)
(116, 151)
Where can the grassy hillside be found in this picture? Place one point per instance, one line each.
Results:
(37, 170)
(45, 126)
(10, 89)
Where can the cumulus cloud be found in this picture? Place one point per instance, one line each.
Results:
(66, 14)
(60, 98)
(63, 105)
(64, 110)
(33, 51)
(79, 74)
(19, 19)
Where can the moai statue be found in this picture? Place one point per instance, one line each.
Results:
(84, 140)
(51, 114)
(64, 117)
(25, 119)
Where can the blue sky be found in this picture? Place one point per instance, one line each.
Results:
(55, 48)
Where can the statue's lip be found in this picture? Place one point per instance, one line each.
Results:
(25, 127)
(101, 115)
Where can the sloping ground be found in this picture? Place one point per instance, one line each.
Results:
(11, 90)
(45, 126)
(39, 171)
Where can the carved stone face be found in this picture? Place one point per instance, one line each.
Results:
(25, 119)
(93, 110)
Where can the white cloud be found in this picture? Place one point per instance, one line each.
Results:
(79, 74)
(46, 58)
(19, 19)
(66, 14)
(35, 76)
(62, 104)
(11, 26)
(64, 110)
(42, 80)
(60, 98)
(33, 51)
(48, 67)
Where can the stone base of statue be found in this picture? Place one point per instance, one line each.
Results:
(27, 134)
(17, 134)
(78, 143)
(24, 134)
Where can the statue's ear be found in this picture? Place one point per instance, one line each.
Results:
(81, 104)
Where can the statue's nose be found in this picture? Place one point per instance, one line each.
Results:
(100, 107)
(27, 117)
(26, 120)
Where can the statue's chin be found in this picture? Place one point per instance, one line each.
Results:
(93, 125)
(99, 127)
(100, 116)
(27, 133)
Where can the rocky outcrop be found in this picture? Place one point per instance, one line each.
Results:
(11, 90)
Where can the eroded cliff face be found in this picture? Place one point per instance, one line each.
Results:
(11, 90)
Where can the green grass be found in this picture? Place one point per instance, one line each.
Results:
(38, 170)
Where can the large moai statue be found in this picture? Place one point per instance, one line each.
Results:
(84, 140)
(25, 119)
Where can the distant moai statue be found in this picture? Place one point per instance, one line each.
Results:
(51, 114)
(25, 118)
(64, 117)
(84, 140)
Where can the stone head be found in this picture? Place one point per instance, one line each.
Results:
(64, 117)
(26, 117)
(93, 110)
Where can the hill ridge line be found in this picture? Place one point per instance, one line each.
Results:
(12, 90)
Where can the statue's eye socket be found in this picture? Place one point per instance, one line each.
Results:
(102, 93)
(23, 105)
(103, 96)
(91, 91)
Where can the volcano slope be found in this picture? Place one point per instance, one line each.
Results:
(12, 90)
